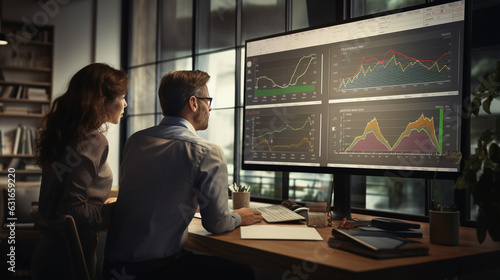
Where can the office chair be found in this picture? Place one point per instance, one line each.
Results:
(65, 226)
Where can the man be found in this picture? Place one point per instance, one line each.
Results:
(167, 172)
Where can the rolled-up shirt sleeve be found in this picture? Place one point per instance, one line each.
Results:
(213, 193)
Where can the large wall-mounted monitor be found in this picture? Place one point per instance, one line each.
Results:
(378, 95)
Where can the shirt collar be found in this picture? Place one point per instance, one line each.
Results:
(169, 120)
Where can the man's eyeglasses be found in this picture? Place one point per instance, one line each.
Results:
(206, 98)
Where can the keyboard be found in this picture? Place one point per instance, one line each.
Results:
(278, 213)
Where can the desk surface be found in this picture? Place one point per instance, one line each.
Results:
(316, 260)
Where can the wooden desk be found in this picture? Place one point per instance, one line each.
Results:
(316, 260)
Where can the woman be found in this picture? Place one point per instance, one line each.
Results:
(76, 178)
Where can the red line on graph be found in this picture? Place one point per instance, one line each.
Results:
(385, 56)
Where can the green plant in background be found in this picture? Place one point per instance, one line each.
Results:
(481, 173)
(436, 206)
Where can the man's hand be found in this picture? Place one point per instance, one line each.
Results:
(248, 216)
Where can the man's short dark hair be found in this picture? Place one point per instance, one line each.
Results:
(177, 87)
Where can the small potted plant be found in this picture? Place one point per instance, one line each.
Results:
(444, 224)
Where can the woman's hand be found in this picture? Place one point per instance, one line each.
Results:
(110, 200)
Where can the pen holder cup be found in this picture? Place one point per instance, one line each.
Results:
(241, 200)
(444, 227)
(317, 219)
(317, 214)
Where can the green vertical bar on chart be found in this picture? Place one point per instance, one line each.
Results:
(441, 122)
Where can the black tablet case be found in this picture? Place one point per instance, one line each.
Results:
(378, 245)
(400, 233)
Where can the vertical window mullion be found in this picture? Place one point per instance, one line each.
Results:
(237, 98)
(158, 54)
(194, 31)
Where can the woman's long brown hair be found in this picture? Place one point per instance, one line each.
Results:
(80, 110)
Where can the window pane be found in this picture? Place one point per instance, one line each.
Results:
(242, 77)
(265, 184)
(483, 62)
(216, 24)
(142, 90)
(443, 192)
(402, 195)
(143, 32)
(262, 17)
(221, 68)
(159, 117)
(299, 14)
(309, 186)
(136, 123)
(175, 65)
(176, 28)
(368, 7)
(221, 132)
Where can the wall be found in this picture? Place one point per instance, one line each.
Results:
(76, 45)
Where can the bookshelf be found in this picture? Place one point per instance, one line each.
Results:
(26, 73)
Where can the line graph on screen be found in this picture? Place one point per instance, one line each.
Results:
(297, 135)
(292, 75)
(394, 131)
(394, 63)
(397, 69)
(418, 136)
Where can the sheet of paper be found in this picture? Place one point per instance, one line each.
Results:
(280, 232)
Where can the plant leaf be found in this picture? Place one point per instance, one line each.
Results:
(460, 183)
(494, 153)
(474, 106)
(485, 138)
(482, 224)
(487, 104)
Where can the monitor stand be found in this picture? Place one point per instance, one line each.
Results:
(341, 188)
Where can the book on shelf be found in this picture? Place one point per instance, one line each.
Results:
(37, 94)
(8, 91)
(15, 109)
(41, 36)
(15, 163)
(2, 143)
(23, 140)
(19, 92)
(45, 108)
(8, 141)
(23, 149)
(12, 91)
(29, 141)
(17, 139)
(32, 167)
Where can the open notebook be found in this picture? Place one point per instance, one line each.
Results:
(280, 232)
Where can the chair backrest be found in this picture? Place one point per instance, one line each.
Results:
(66, 227)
